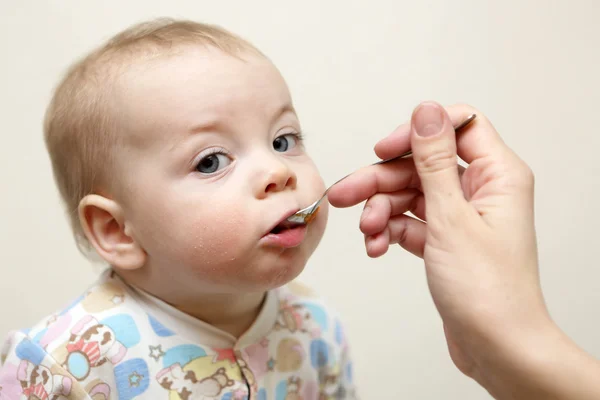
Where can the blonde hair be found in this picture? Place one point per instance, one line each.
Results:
(79, 127)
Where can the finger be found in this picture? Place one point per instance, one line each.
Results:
(366, 182)
(418, 208)
(418, 205)
(434, 153)
(406, 231)
(377, 245)
(478, 139)
(461, 171)
(395, 143)
(381, 207)
(383, 178)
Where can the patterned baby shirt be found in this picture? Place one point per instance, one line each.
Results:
(117, 342)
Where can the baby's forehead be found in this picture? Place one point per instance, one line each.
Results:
(197, 86)
(202, 75)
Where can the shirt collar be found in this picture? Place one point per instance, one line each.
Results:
(200, 332)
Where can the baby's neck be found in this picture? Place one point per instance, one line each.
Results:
(233, 313)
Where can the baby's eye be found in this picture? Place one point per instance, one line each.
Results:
(285, 142)
(212, 163)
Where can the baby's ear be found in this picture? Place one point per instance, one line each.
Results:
(104, 226)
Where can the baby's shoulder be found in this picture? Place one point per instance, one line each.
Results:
(68, 350)
(102, 313)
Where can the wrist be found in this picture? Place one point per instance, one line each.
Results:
(540, 364)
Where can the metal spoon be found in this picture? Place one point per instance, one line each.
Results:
(306, 215)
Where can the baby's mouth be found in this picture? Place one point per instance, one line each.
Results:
(286, 234)
(284, 226)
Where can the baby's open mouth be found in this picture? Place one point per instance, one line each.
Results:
(284, 226)
(286, 234)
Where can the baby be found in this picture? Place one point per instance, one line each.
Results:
(178, 153)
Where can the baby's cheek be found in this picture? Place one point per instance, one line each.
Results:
(213, 239)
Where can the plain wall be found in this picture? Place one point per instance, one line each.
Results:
(356, 70)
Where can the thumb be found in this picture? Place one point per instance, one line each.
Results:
(433, 144)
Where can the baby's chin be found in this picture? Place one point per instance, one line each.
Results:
(267, 274)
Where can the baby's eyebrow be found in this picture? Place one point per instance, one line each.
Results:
(216, 124)
(210, 125)
(213, 125)
(287, 107)
(206, 126)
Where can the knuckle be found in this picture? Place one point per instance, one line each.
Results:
(519, 174)
(401, 231)
(403, 238)
(526, 176)
(374, 203)
(437, 161)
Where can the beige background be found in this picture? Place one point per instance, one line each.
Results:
(356, 69)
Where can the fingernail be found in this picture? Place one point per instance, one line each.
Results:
(428, 120)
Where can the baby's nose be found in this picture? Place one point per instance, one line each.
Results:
(278, 176)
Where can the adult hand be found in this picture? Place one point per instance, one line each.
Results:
(475, 232)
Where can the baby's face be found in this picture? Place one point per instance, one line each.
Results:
(213, 161)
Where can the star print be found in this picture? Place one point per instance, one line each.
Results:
(134, 379)
(271, 364)
(156, 352)
(117, 299)
(225, 354)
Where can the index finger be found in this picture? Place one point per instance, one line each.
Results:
(366, 182)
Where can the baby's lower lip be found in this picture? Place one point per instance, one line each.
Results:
(287, 238)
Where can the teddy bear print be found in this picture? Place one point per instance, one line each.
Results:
(292, 318)
(91, 345)
(189, 387)
(38, 382)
